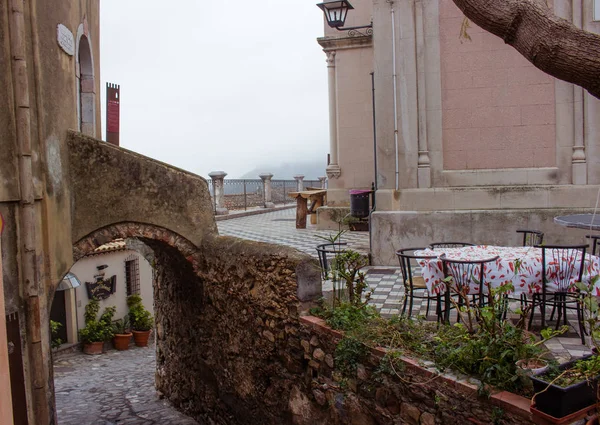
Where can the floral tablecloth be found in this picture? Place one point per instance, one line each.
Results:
(520, 265)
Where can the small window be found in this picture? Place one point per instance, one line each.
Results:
(132, 275)
(596, 10)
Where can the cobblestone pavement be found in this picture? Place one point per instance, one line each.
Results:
(115, 388)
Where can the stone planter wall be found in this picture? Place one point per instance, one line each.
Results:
(418, 397)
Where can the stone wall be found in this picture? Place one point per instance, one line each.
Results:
(227, 333)
(419, 396)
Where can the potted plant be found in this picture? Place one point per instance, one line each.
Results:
(96, 332)
(142, 321)
(56, 341)
(122, 333)
(571, 389)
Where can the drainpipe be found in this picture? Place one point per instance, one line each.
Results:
(395, 93)
(374, 185)
(27, 236)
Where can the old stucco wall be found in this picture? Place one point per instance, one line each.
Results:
(393, 230)
(113, 185)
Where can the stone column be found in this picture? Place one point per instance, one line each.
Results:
(323, 181)
(218, 186)
(423, 161)
(333, 169)
(300, 182)
(268, 189)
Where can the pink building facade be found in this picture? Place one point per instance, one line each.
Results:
(473, 143)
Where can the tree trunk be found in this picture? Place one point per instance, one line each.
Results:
(552, 44)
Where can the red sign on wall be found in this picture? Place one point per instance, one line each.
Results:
(113, 99)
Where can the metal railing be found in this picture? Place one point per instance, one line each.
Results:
(241, 194)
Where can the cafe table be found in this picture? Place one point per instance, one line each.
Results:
(520, 265)
(580, 221)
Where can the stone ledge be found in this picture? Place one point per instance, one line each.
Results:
(513, 403)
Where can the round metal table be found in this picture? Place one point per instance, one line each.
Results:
(580, 221)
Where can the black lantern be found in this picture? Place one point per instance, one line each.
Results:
(335, 12)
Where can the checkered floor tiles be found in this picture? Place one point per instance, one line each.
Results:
(279, 227)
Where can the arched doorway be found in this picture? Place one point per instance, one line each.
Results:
(86, 95)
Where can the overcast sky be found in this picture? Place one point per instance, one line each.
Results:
(217, 85)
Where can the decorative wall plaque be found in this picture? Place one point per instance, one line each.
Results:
(65, 39)
(102, 288)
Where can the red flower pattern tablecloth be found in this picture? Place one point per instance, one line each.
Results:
(520, 265)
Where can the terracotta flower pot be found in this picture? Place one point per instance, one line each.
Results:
(121, 341)
(93, 348)
(141, 338)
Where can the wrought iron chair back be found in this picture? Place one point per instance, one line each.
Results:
(466, 274)
(408, 264)
(326, 252)
(531, 237)
(594, 239)
(559, 265)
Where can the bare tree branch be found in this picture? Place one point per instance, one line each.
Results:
(552, 44)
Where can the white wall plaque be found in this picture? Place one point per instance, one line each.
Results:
(65, 39)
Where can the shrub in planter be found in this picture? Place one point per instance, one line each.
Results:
(122, 334)
(573, 386)
(142, 321)
(96, 332)
(568, 388)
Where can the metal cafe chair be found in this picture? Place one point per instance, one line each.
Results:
(449, 245)
(414, 285)
(531, 237)
(595, 239)
(559, 269)
(464, 273)
(326, 252)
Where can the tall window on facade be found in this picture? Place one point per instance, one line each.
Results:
(87, 96)
(132, 275)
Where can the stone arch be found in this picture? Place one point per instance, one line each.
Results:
(126, 230)
(85, 81)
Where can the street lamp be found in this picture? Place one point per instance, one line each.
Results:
(336, 11)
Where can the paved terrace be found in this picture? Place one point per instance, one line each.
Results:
(385, 282)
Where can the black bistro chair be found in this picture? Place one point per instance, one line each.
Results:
(326, 253)
(531, 237)
(562, 297)
(595, 245)
(414, 284)
(464, 274)
(449, 245)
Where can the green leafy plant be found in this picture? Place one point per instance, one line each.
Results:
(141, 319)
(122, 326)
(348, 355)
(55, 339)
(99, 330)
